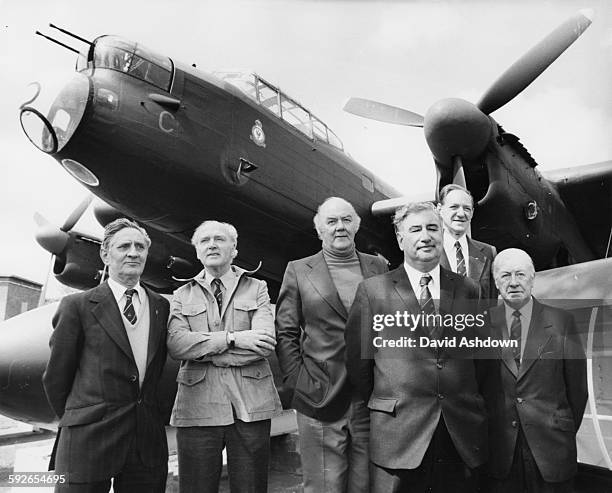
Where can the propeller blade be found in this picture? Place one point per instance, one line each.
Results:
(50, 237)
(527, 68)
(76, 214)
(382, 112)
(458, 173)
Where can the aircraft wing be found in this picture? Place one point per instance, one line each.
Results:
(587, 193)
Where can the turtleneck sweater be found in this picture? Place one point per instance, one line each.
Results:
(345, 271)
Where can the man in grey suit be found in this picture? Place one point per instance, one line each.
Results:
(536, 391)
(428, 427)
(461, 253)
(108, 350)
(311, 312)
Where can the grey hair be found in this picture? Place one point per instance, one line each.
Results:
(451, 188)
(233, 233)
(117, 225)
(511, 251)
(403, 211)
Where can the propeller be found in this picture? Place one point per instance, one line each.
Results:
(383, 112)
(54, 239)
(527, 68)
(457, 130)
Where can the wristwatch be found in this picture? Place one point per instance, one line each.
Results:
(230, 338)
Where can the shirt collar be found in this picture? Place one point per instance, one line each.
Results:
(415, 275)
(525, 311)
(449, 243)
(227, 279)
(119, 289)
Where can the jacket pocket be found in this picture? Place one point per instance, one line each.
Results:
(196, 316)
(244, 309)
(83, 415)
(258, 388)
(313, 381)
(563, 423)
(385, 405)
(191, 376)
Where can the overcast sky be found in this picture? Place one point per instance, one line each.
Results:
(409, 54)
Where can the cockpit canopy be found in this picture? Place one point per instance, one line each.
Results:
(277, 102)
(116, 53)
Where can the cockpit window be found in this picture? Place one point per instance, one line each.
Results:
(115, 53)
(278, 103)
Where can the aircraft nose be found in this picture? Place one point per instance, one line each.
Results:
(50, 126)
(23, 357)
(455, 127)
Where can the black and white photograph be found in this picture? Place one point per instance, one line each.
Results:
(226, 223)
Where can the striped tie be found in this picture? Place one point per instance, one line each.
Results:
(460, 260)
(515, 335)
(216, 284)
(128, 311)
(427, 304)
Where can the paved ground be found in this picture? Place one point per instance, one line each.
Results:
(24, 450)
(21, 449)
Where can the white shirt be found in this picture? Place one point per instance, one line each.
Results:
(119, 294)
(414, 276)
(525, 321)
(451, 251)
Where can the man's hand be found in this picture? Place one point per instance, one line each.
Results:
(257, 340)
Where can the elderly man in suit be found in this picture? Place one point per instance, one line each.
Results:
(108, 350)
(221, 328)
(311, 312)
(461, 253)
(536, 390)
(428, 428)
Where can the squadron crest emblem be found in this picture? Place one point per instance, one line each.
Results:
(257, 134)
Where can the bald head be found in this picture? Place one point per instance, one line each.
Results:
(514, 274)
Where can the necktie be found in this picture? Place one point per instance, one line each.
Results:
(460, 260)
(128, 311)
(427, 306)
(515, 335)
(216, 285)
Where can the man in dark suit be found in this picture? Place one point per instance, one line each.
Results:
(311, 313)
(108, 349)
(536, 391)
(427, 419)
(461, 253)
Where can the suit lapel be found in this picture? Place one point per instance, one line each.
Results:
(404, 289)
(368, 267)
(500, 331)
(537, 338)
(107, 313)
(321, 280)
(447, 292)
(444, 260)
(476, 260)
(155, 329)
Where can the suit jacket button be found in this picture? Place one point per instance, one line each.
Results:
(133, 378)
(440, 396)
(514, 424)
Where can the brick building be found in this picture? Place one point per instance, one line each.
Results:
(17, 295)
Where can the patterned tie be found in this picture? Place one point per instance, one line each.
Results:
(460, 260)
(515, 335)
(128, 311)
(427, 305)
(216, 284)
